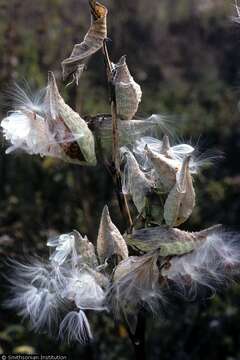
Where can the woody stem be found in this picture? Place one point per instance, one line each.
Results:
(115, 171)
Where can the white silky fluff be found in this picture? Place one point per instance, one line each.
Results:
(64, 247)
(236, 18)
(30, 126)
(34, 294)
(177, 153)
(82, 288)
(136, 285)
(211, 265)
(75, 327)
(27, 131)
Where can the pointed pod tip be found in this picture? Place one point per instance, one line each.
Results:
(105, 212)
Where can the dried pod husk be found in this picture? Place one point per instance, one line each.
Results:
(93, 41)
(129, 131)
(135, 183)
(71, 131)
(136, 284)
(128, 92)
(86, 250)
(169, 241)
(214, 263)
(181, 199)
(110, 241)
(166, 169)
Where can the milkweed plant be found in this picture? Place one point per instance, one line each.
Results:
(124, 274)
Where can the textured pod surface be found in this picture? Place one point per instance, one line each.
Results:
(166, 169)
(93, 41)
(169, 241)
(136, 284)
(128, 92)
(81, 134)
(129, 131)
(135, 183)
(181, 199)
(110, 241)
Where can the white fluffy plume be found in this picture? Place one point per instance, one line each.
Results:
(211, 265)
(75, 327)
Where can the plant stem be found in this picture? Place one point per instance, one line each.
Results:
(138, 339)
(115, 168)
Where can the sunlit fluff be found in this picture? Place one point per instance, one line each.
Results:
(31, 127)
(211, 265)
(177, 153)
(34, 294)
(45, 292)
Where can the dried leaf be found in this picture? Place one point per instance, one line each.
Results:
(128, 92)
(181, 199)
(93, 41)
(79, 145)
(110, 241)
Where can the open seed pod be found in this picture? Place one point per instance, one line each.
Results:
(136, 284)
(110, 241)
(135, 183)
(93, 41)
(166, 169)
(129, 131)
(169, 241)
(128, 92)
(70, 130)
(181, 199)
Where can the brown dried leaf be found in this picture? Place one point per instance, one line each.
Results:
(92, 42)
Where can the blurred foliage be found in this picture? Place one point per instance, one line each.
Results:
(185, 54)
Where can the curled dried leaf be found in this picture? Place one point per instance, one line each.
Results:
(110, 241)
(128, 92)
(93, 41)
(181, 199)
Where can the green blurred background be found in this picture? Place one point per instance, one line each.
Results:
(185, 54)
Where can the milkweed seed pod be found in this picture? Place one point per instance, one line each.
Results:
(128, 92)
(110, 241)
(210, 266)
(93, 41)
(169, 241)
(181, 199)
(129, 131)
(79, 144)
(135, 183)
(166, 169)
(136, 284)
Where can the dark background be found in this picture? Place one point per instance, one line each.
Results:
(185, 54)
